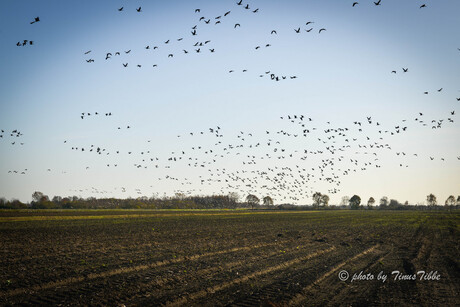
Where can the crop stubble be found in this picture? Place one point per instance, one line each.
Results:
(228, 258)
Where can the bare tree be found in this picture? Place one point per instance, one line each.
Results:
(39, 197)
(252, 200)
(345, 201)
(450, 202)
(431, 200)
(384, 202)
(235, 197)
(370, 202)
(325, 200)
(268, 201)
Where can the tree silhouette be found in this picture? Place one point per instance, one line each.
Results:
(450, 201)
(370, 202)
(39, 197)
(325, 200)
(355, 200)
(384, 202)
(316, 199)
(345, 201)
(431, 200)
(252, 200)
(268, 201)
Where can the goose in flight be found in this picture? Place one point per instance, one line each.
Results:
(297, 30)
(355, 3)
(273, 32)
(237, 25)
(405, 69)
(323, 29)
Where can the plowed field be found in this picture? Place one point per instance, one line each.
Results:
(231, 258)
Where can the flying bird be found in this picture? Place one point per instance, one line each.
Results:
(36, 19)
(378, 2)
(354, 3)
(323, 29)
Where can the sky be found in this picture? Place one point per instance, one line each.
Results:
(219, 103)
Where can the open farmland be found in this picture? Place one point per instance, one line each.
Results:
(241, 258)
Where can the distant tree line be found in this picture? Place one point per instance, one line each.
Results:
(230, 201)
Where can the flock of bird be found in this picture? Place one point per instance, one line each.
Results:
(320, 155)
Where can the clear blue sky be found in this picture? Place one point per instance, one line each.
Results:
(343, 75)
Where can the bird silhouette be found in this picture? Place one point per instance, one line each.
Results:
(355, 3)
(36, 19)
(323, 29)
(139, 9)
(378, 2)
